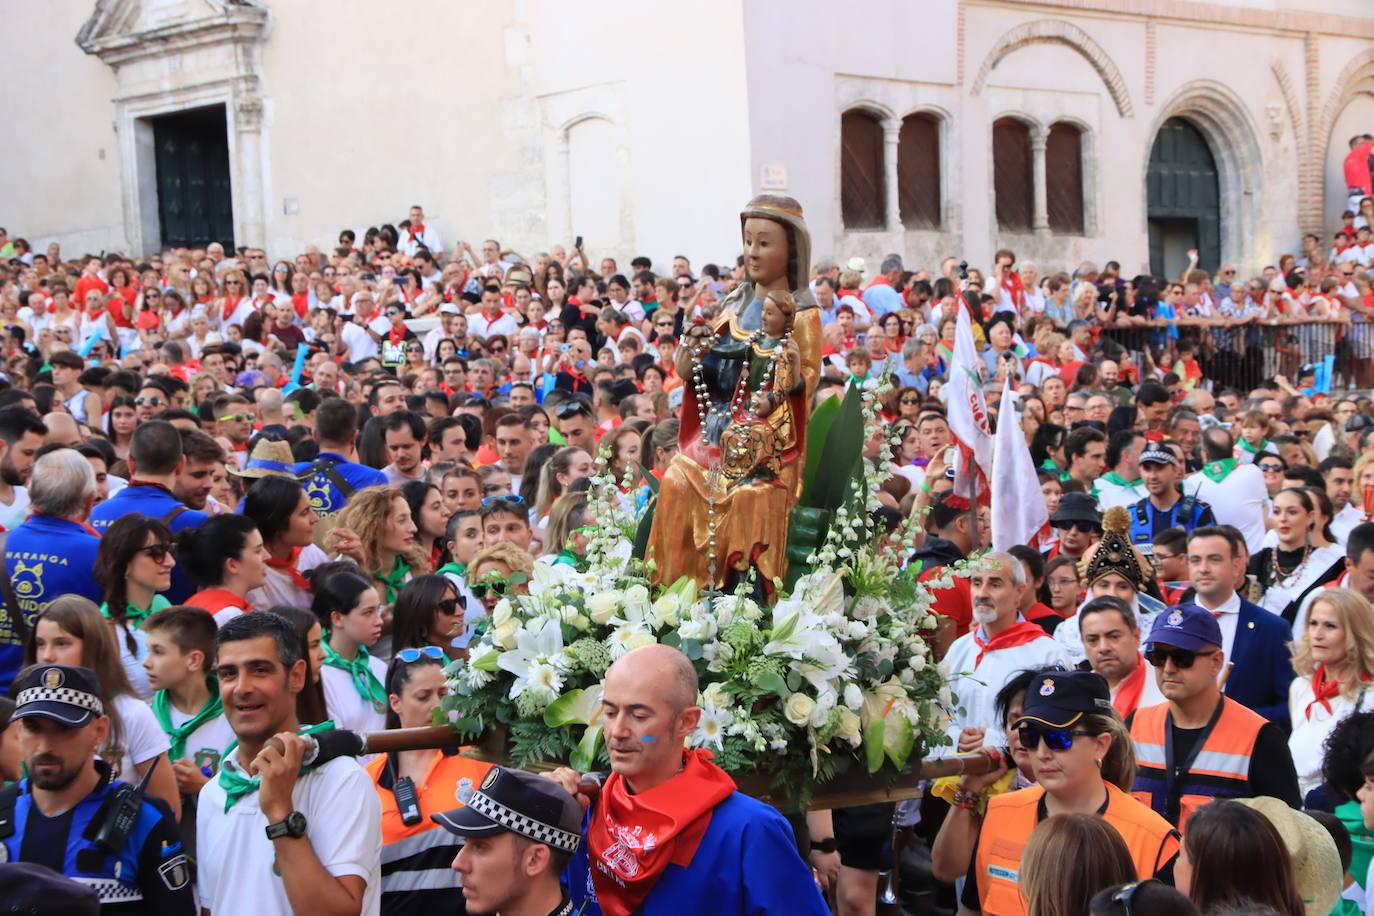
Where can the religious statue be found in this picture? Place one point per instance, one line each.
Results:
(726, 499)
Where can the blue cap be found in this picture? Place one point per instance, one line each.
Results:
(67, 694)
(1186, 626)
(1058, 699)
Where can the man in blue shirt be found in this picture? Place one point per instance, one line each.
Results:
(881, 296)
(334, 475)
(51, 554)
(743, 860)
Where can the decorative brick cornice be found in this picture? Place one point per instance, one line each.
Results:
(1058, 31)
(960, 41)
(1313, 204)
(1150, 39)
(1212, 15)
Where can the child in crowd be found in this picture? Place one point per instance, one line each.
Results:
(1254, 436)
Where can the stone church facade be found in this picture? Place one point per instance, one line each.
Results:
(1064, 129)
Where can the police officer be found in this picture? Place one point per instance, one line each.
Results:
(65, 814)
(521, 830)
(1164, 506)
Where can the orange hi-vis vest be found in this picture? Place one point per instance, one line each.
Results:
(1220, 767)
(1012, 817)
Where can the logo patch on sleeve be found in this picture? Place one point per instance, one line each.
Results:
(175, 873)
(1005, 874)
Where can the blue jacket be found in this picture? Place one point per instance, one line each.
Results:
(158, 503)
(45, 557)
(747, 864)
(325, 496)
(1262, 667)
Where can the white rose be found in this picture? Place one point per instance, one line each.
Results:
(917, 663)
(715, 695)
(602, 606)
(504, 635)
(502, 613)
(666, 611)
(853, 696)
(639, 640)
(849, 727)
(636, 594)
(798, 709)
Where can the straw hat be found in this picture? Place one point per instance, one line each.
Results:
(269, 458)
(1316, 863)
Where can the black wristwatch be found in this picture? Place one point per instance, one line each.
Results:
(293, 826)
(826, 845)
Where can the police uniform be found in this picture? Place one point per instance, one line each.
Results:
(150, 872)
(1187, 512)
(512, 801)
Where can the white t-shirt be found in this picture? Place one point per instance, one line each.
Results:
(976, 688)
(142, 738)
(133, 661)
(1309, 733)
(280, 588)
(361, 344)
(237, 862)
(479, 325)
(240, 314)
(346, 706)
(1240, 500)
(206, 745)
(13, 514)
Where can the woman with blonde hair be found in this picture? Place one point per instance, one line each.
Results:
(377, 531)
(1070, 857)
(497, 571)
(1334, 660)
(566, 467)
(565, 543)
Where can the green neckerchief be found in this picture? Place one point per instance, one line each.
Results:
(1216, 471)
(395, 580)
(177, 735)
(1254, 449)
(134, 616)
(567, 558)
(1115, 478)
(1049, 465)
(458, 569)
(236, 785)
(368, 687)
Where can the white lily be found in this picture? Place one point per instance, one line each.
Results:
(534, 649)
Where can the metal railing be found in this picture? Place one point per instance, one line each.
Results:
(1243, 356)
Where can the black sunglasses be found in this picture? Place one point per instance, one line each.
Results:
(571, 408)
(1056, 739)
(1127, 891)
(157, 552)
(1182, 658)
(1271, 468)
(1081, 527)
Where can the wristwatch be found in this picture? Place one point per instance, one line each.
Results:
(293, 826)
(826, 845)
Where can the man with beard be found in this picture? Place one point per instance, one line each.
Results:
(716, 847)
(999, 645)
(322, 849)
(51, 817)
(1340, 484)
(1164, 507)
(21, 436)
(203, 457)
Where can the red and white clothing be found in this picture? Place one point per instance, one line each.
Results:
(417, 235)
(287, 585)
(484, 326)
(1312, 721)
(976, 681)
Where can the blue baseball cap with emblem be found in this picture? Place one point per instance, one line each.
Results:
(514, 801)
(1187, 626)
(66, 694)
(1058, 699)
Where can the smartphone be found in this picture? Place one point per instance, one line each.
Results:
(563, 348)
(577, 243)
(861, 338)
(951, 455)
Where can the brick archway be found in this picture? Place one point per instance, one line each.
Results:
(1056, 31)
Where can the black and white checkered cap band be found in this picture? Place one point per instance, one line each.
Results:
(524, 825)
(68, 696)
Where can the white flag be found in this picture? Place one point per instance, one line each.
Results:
(968, 414)
(1018, 510)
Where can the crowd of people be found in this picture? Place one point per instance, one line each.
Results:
(243, 499)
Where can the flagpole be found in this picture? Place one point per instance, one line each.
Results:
(973, 503)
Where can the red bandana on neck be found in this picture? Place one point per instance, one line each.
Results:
(1016, 290)
(1323, 691)
(288, 566)
(1128, 691)
(1018, 634)
(416, 230)
(396, 335)
(633, 838)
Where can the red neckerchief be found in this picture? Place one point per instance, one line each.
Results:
(396, 335)
(1128, 692)
(416, 230)
(435, 555)
(288, 566)
(301, 301)
(1323, 691)
(240, 446)
(879, 280)
(632, 839)
(85, 525)
(1017, 290)
(215, 600)
(1018, 634)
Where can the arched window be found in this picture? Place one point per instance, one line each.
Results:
(1064, 178)
(861, 170)
(918, 171)
(1012, 182)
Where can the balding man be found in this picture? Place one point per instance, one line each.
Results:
(270, 414)
(62, 430)
(715, 847)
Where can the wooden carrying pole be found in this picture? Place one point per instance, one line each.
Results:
(851, 789)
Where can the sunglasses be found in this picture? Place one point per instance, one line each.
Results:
(411, 656)
(157, 552)
(1127, 892)
(909, 401)
(1056, 739)
(1271, 468)
(392, 313)
(1080, 527)
(148, 402)
(240, 417)
(497, 586)
(415, 349)
(1182, 658)
(570, 409)
(510, 500)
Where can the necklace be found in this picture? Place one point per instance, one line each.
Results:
(1280, 577)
